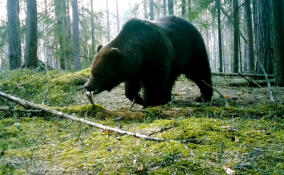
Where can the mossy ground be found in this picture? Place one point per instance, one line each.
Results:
(202, 139)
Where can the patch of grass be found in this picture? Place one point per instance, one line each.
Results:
(31, 85)
(200, 140)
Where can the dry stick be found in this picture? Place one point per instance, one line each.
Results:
(214, 89)
(48, 83)
(160, 130)
(133, 101)
(28, 104)
(249, 81)
(90, 97)
(268, 82)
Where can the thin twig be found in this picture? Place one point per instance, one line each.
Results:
(268, 82)
(133, 102)
(161, 130)
(48, 84)
(28, 104)
(90, 97)
(249, 81)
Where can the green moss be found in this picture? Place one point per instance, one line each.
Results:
(58, 89)
(77, 78)
(200, 140)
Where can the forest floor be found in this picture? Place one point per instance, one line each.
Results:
(203, 138)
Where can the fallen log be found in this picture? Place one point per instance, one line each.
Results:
(249, 80)
(252, 84)
(238, 75)
(28, 104)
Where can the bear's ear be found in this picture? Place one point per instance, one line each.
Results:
(99, 48)
(114, 54)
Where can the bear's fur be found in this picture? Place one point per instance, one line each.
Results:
(151, 55)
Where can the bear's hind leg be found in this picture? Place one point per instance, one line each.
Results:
(204, 83)
(132, 89)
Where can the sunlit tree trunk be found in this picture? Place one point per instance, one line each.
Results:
(236, 36)
(76, 44)
(278, 25)
(171, 7)
(151, 9)
(14, 41)
(31, 59)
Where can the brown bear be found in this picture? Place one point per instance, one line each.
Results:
(151, 55)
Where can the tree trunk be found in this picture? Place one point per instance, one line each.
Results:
(31, 59)
(76, 44)
(256, 30)
(14, 40)
(92, 29)
(278, 25)
(183, 5)
(265, 37)
(117, 17)
(68, 52)
(63, 34)
(145, 9)
(189, 9)
(248, 19)
(164, 8)
(236, 36)
(151, 9)
(218, 3)
(171, 7)
(108, 24)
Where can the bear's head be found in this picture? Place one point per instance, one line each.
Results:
(107, 70)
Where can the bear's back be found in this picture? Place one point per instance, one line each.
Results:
(185, 38)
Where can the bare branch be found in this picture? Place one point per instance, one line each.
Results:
(28, 104)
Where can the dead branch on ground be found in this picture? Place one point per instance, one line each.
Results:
(28, 104)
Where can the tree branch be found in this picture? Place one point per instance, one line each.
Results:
(28, 104)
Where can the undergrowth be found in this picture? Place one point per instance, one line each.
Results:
(200, 140)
